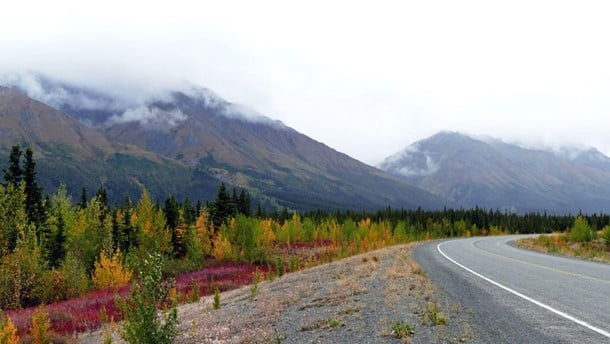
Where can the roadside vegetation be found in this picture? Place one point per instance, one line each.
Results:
(78, 258)
(580, 240)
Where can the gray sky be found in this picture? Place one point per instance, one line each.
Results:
(366, 78)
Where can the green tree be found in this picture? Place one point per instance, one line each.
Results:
(14, 174)
(244, 203)
(581, 231)
(33, 192)
(151, 227)
(222, 208)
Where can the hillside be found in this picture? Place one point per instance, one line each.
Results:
(69, 152)
(493, 174)
(187, 142)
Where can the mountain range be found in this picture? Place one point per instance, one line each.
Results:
(490, 173)
(185, 142)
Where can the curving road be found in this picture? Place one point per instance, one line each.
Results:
(519, 296)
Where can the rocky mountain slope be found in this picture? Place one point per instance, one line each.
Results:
(494, 174)
(185, 143)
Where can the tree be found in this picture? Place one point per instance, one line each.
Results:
(244, 203)
(33, 192)
(83, 198)
(581, 231)
(222, 208)
(14, 174)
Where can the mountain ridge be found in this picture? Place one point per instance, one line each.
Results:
(204, 137)
(495, 174)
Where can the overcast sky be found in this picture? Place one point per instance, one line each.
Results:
(366, 78)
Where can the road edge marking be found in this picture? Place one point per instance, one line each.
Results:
(525, 297)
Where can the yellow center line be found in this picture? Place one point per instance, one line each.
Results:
(473, 244)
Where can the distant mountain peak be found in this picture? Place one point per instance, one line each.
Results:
(494, 174)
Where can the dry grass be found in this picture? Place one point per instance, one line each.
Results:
(559, 243)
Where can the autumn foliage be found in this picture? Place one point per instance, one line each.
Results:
(110, 272)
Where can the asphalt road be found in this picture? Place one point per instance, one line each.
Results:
(519, 296)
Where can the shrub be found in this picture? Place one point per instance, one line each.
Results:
(8, 331)
(110, 272)
(40, 326)
(143, 323)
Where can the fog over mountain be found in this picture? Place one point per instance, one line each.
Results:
(490, 173)
(185, 142)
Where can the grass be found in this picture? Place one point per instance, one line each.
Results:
(432, 315)
(401, 330)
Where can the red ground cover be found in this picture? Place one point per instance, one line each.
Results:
(85, 313)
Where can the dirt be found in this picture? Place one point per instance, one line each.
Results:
(361, 299)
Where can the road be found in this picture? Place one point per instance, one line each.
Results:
(519, 296)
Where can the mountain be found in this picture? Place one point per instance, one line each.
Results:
(494, 174)
(66, 151)
(204, 140)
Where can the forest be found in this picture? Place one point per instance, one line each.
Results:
(53, 248)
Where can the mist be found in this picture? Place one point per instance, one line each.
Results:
(367, 90)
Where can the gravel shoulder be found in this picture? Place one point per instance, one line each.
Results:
(356, 300)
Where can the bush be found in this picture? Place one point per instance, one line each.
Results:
(110, 272)
(69, 281)
(40, 326)
(143, 323)
(580, 231)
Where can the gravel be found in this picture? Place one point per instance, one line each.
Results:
(354, 300)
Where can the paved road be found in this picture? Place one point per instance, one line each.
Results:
(519, 296)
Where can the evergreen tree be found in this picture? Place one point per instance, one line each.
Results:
(190, 213)
(57, 249)
(172, 217)
(243, 203)
(222, 208)
(33, 192)
(198, 208)
(82, 204)
(14, 174)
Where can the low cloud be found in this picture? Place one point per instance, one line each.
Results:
(59, 95)
(150, 116)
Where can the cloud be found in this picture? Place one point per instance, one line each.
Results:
(59, 95)
(150, 116)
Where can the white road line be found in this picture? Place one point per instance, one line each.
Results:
(525, 297)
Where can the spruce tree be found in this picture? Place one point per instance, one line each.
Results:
(14, 174)
(82, 204)
(223, 207)
(33, 192)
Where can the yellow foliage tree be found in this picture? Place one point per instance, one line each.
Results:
(110, 272)
(40, 326)
(222, 247)
(8, 332)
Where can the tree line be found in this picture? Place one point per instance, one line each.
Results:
(53, 248)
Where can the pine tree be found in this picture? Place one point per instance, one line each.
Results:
(82, 204)
(243, 203)
(222, 208)
(190, 213)
(14, 174)
(33, 192)
(57, 249)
